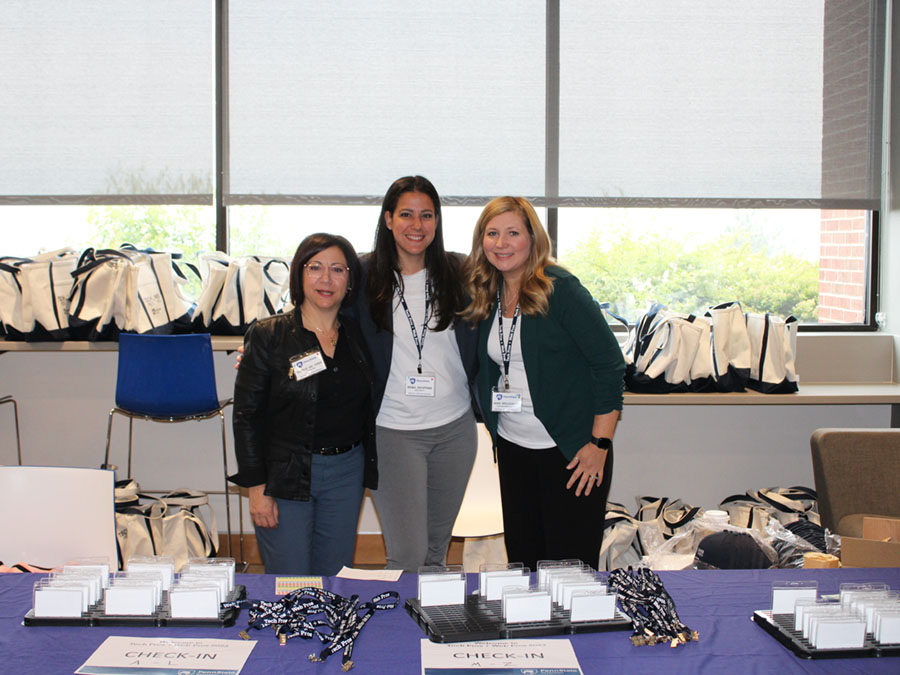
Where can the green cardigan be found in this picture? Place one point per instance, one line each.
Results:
(573, 362)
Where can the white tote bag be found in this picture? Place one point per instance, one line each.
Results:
(34, 294)
(773, 346)
(238, 291)
(730, 347)
(99, 301)
(155, 302)
(664, 350)
(46, 285)
(12, 320)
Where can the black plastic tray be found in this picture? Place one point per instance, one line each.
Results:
(781, 627)
(477, 619)
(96, 617)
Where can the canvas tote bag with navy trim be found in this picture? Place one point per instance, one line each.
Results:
(773, 348)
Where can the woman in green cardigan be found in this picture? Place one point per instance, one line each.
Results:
(550, 386)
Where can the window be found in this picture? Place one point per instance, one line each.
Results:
(688, 126)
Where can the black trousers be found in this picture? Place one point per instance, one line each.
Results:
(542, 520)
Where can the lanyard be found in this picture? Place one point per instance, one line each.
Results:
(420, 344)
(506, 349)
(343, 619)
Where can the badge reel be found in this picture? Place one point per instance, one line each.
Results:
(306, 364)
(504, 399)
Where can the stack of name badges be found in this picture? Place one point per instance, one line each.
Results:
(862, 613)
(576, 589)
(69, 592)
(149, 588)
(571, 588)
(201, 588)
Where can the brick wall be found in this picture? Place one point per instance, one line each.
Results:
(842, 267)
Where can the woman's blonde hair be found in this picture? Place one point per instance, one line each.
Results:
(483, 279)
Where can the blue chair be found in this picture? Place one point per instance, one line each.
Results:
(168, 378)
(10, 399)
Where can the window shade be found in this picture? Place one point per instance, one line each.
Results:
(752, 103)
(333, 101)
(103, 101)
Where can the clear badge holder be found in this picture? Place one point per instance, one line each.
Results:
(592, 604)
(98, 565)
(90, 577)
(786, 593)
(496, 569)
(525, 605)
(442, 586)
(133, 594)
(226, 564)
(156, 564)
(849, 591)
(494, 577)
(546, 568)
(588, 581)
(887, 625)
(195, 598)
(868, 603)
(55, 599)
(843, 631)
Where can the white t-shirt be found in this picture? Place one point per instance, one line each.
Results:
(522, 428)
(440, 357)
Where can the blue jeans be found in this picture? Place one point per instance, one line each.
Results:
(318, 537)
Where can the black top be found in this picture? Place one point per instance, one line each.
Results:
(343, 397)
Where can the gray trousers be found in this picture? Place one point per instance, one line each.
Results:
(422, 478)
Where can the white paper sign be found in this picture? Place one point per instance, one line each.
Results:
(537, 657)
(167, 656)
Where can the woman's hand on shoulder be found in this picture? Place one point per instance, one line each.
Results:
(238, 356)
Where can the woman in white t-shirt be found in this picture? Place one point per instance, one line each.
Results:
(425, 362)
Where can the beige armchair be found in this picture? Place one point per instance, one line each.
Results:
(857, 473)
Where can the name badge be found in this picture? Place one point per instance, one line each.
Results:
(506, 400)
(304, 365)
(420, 385)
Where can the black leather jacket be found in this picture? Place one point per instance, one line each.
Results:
(275, 415)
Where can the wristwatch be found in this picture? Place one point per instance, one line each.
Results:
(603, 443)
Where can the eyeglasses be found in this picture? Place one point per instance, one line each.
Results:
(317, 269)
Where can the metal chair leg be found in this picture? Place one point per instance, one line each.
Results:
(106, 464)
(130, 436)
(226, 493)
(10, 399)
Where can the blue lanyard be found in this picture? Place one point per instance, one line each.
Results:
(412, 324)
(506, 349)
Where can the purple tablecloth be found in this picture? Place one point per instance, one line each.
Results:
(718, 604)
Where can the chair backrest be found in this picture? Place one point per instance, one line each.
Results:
(166, 375)
(54, 515)
(857, 471)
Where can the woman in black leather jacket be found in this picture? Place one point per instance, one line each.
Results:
(304, 422)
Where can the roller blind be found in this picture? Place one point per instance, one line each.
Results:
(755, 103)
(104, 101)
(661, 102)
(333, 101)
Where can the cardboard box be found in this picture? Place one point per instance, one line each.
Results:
(878, 547)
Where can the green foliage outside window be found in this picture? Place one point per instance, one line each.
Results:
(631, 271)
